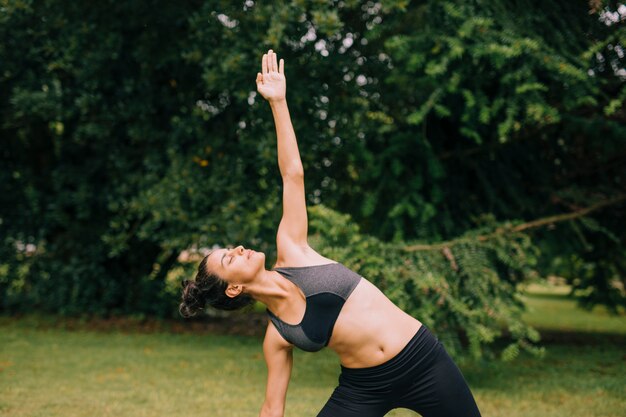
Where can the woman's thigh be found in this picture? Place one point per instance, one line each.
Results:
(349, 403)
(441, 391)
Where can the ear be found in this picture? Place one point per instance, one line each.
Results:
(233, 290)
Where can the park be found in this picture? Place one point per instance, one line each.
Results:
(176, 177)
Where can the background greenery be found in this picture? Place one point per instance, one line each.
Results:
(452, 149)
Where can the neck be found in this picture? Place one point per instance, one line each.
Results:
(270, 288)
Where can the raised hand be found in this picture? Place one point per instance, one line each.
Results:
(271, 83)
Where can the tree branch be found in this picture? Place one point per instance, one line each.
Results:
(520, 227)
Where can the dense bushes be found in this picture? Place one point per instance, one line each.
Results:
(131, 131)
(465, 289)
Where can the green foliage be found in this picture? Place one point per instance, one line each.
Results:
(467, 290)
(131, 131)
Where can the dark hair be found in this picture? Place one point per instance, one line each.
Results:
(208, 288)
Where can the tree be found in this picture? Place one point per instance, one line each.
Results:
(132, 131)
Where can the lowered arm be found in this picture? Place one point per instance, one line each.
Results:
(279, 359)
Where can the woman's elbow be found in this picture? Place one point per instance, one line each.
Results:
(294, 171)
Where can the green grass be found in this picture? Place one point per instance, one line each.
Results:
(49, 371)
(548, 307)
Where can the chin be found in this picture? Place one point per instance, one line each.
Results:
(256, 255)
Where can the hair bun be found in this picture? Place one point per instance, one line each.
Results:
(193, 300)
(184, 310)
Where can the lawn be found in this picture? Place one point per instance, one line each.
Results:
(50, 371)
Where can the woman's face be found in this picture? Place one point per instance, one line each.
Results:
(237, 265)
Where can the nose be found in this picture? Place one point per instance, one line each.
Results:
(239, 249)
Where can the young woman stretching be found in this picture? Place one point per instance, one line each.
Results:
(388, 358)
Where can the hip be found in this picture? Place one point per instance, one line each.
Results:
(417, 356)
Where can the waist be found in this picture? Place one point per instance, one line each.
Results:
(371, 330)
(416, 354)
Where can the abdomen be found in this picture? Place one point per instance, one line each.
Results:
(370, 329)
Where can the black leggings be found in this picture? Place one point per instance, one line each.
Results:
(422, 378)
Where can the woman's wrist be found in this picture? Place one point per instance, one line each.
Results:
(279, 101)
(267, 411)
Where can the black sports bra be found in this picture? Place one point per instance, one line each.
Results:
(326, 288)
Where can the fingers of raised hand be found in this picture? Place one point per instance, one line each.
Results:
(259, 78)
(270, 60)
(269, 63)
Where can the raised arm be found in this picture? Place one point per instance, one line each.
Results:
(272, 85)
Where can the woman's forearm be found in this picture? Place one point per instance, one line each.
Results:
(289, 161)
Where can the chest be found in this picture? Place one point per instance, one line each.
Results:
(325, 289)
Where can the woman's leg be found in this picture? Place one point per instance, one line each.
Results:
(346, 402)
(441, 391)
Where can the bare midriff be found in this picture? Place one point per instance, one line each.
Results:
(370, 329)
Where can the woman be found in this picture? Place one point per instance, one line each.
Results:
(388, 358)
